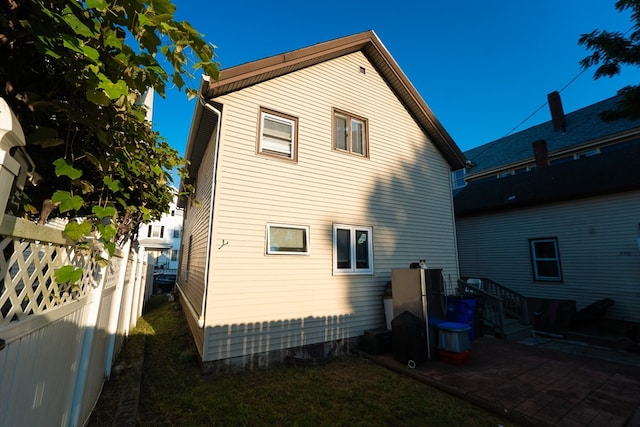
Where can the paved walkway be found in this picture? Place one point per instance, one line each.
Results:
(540, 382)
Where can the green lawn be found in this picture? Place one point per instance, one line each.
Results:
(347, 391)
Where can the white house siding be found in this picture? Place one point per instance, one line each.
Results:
(196, 228)
(258, 302)
(599, 252)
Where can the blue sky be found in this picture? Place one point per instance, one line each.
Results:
(482, 66)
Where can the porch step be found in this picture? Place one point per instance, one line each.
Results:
(513, 330)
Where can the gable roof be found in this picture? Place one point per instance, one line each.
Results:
(245, 75)
(613, 171)
(583, 127)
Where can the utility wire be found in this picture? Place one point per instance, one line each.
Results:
(545, 104)
(560, 91)
(489, 145)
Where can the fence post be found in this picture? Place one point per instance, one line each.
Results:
(11, 135)
(90, 323)
(116, 307)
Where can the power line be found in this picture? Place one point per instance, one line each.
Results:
(545, 104)
(560, 91)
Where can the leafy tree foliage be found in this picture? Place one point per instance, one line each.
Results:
(74, 72)
(610, 51)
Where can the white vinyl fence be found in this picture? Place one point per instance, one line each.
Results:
(57, 341)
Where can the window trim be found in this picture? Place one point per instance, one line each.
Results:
(349, 117)
(534, 259)
(458, 181)
(264, 112)
(353, 270)
(270, 251)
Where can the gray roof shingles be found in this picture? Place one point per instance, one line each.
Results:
(583, 125)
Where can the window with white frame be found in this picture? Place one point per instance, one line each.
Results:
(277, 135)
(457, 178)
(350, 133)
(545, 259)
(352, 249)
(287, 239)
(156, 231)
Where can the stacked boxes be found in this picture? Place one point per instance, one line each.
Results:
(454, 346)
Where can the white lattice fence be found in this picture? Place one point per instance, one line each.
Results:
(60, 339)
(28, 283)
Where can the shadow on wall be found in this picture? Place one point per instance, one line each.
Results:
(413, 208)
(310, 340)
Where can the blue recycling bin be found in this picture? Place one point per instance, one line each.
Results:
(462, 310)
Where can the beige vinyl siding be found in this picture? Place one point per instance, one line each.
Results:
(402, 191)
(597, 242)
(196, 229)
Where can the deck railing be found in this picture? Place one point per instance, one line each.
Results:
(497, 301)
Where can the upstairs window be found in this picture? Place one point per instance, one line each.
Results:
(156, 231)
(352, 250)
(350, 134)
(278, 135)
(545, 259)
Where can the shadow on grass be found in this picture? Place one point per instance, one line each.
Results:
(348, 391)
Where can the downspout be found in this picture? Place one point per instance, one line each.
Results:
(207, 267)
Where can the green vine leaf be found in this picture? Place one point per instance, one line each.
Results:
(97, 4)
(65, 169)
(101, 213)
(112, 184)
(107, 232)
(67, 201)
(76, 231)
(68, 274)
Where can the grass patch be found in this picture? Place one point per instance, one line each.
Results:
(347, 391)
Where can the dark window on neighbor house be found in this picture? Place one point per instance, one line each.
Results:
(176, 233)
(350, 133)
(174, 255)
(545, 259)
(277, 135)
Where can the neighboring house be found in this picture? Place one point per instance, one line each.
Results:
(161, 239)
(563, 224)
(316, 172)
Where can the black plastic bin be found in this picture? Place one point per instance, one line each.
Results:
(408, 339)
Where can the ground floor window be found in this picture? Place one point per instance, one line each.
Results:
(352, 249)
(287, 239)
(545, 259)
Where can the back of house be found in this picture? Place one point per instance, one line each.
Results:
(316, 173)
(553, 212)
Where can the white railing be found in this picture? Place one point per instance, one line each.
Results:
(58, 341)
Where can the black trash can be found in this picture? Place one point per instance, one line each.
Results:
(408, 339)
